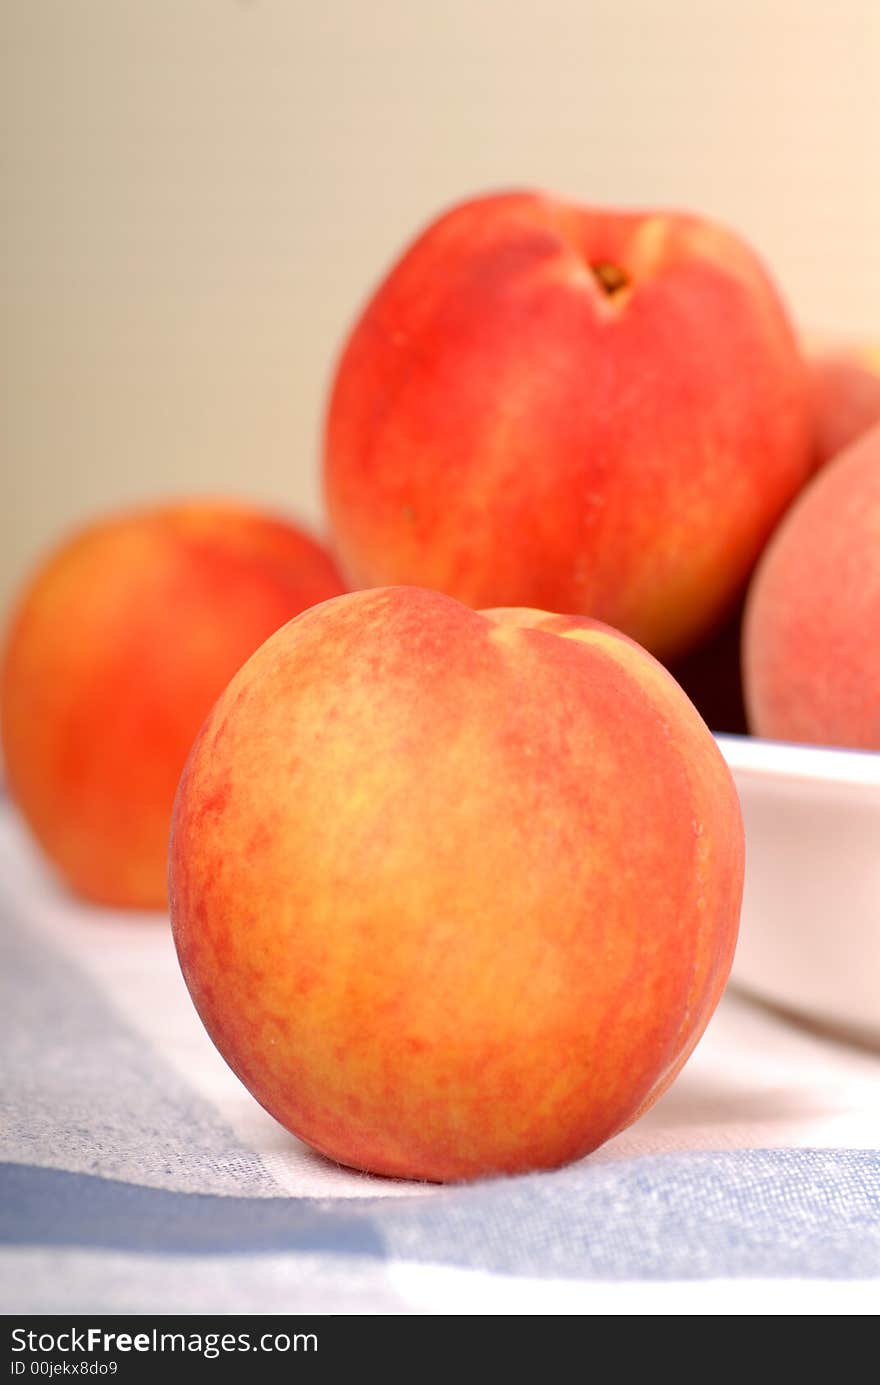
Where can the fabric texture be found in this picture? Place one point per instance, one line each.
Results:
(139, 1176)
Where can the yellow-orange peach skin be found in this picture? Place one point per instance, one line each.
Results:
(811, 656)
(121, 643)
(454, 893)
(569, 408)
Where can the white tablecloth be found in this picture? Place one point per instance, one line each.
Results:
(139, 1176)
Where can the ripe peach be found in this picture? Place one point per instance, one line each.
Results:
(121, 643)
(845, 384)
(454, 893)
(569, 408)
(810, 650)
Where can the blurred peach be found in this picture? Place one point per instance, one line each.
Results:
(810, 648)
(121, 643)
(845, 384)
(572, 408)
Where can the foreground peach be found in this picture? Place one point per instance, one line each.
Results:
(845, 383)
(811, 657)
(454, 893)
(121, 643)
(576, 409)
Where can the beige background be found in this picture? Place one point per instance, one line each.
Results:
(198, 193)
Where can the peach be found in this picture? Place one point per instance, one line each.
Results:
(570, 408)
(845, 384)
(121, 643)
(811, 659)
(454, 893)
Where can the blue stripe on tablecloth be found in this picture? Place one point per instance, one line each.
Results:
(756, 1213)
(82, 1089)
(50, 1207)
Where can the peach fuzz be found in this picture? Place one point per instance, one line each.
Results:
(845, 384)
(811, 658)
(454, 893)
(570, 408)
(122, 641)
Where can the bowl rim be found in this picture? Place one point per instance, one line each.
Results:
(787, 760)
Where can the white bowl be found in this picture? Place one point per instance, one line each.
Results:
(810, 934)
